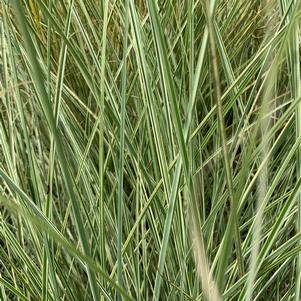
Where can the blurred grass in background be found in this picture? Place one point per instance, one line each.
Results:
(150, 150)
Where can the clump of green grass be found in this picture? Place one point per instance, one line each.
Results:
(150, 150)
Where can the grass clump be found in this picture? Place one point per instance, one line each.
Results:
(150, 150)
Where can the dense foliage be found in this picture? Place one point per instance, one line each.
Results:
(150, 150)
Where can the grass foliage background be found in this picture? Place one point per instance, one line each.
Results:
(150, 150)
